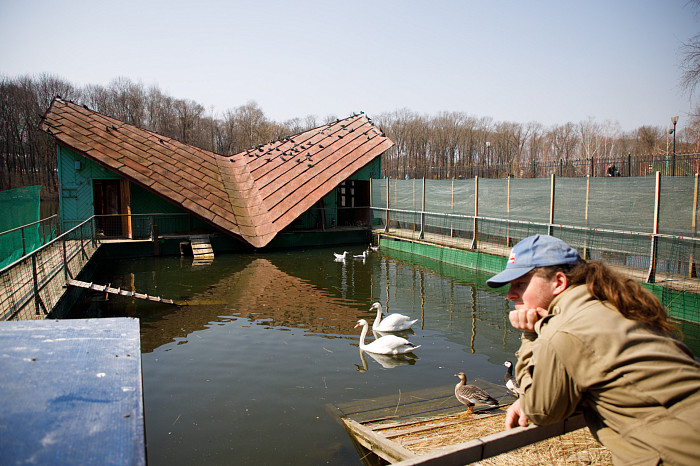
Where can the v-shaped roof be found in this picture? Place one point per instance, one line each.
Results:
(253, 194)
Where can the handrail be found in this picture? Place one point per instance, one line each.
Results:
(44, 246)
(28, 225)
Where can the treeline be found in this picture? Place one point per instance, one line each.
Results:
(451, 144)
(424, 144)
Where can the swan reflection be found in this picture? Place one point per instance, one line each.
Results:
(387, 361)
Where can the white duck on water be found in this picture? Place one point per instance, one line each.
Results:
(388, 344)
(470, 395)
(342, 256)
(392, 322)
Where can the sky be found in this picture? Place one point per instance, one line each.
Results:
(546, 61)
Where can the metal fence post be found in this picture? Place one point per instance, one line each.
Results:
(550, 228)
(35, 283)
(421, 235)
(24, 247)
(386, 226)
(65, 261)
(693, 224)
(651, 275)
(476, 212)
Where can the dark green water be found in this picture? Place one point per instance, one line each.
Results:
(244, 373)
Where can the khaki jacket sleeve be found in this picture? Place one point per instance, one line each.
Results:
(549, 394)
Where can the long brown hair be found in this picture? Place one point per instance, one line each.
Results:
(626, 295)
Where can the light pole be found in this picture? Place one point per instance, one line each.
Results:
(488, 155)
(674, 120)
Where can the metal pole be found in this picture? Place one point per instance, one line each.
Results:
(693, 223)
(476, 211)
(651, 276)
(386, 226)
(508, 212)
(422, 214)
(550, 229)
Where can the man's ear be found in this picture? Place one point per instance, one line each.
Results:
(560, 282)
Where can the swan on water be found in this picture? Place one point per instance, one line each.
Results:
(388, 344)
(392, 322)
(361, 256)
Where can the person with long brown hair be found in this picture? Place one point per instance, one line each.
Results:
(597, 342)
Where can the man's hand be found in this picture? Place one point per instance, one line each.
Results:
(515, 416)
(524, 319)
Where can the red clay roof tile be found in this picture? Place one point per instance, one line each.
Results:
(254, 194)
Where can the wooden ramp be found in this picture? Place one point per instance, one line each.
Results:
(118, 291)
(406, 425)
(430, 427)
(201, 248)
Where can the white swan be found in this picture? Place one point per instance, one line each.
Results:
(388, 344)
(392, 322)
(361, 256)
(340, 256)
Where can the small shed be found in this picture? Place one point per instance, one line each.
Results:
(314, 179)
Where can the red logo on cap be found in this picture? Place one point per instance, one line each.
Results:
(511, 259)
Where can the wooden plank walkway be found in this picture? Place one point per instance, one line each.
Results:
(118, 291)
(72, 392)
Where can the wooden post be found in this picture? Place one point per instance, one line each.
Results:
(692, 273)
(651, 276)
(156, 245)
(550, 229)
(476, 212)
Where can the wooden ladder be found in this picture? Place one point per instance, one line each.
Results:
(201, 247)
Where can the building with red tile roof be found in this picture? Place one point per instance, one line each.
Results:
(252, 195)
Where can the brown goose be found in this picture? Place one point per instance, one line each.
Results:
(470, 395)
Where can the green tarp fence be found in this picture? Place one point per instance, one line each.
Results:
(20, 206)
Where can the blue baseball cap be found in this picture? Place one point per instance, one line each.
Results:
(534, 251)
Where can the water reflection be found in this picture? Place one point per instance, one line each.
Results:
(387, 361)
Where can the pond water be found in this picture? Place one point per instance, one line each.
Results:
(243, 373)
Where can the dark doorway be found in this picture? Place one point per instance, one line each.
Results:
(107, 204)
(353, 203)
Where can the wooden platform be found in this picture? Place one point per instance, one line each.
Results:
(429, 427)
(72, 392)
(406, 425)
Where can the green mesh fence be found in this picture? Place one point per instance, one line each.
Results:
(20, 207)
(609, 219)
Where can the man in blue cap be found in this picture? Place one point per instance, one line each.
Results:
(600, 343)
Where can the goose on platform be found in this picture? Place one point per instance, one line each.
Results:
(510, 380)
(388, 344)
(471, 395)
(392, 322)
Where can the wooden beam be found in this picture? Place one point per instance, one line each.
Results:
(377, 444)
(493, 445)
